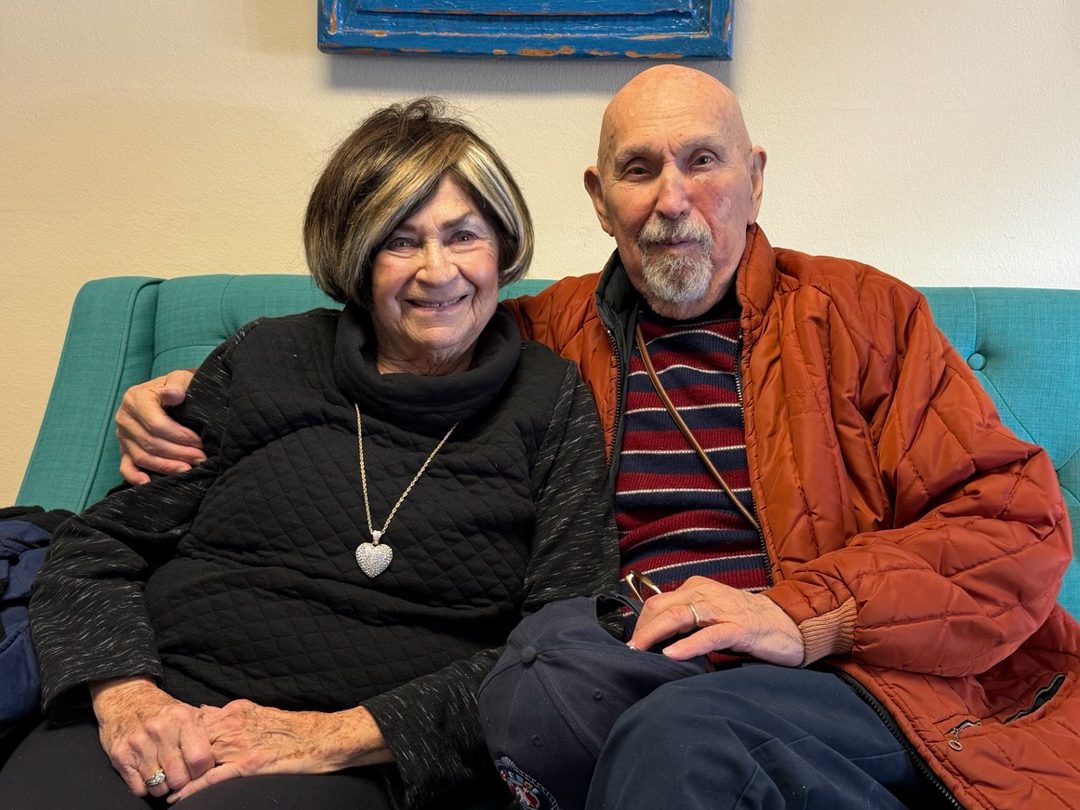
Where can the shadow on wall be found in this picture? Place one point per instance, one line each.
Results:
(279, 29)
(460, 75)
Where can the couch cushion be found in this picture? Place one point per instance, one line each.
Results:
(1024, 347)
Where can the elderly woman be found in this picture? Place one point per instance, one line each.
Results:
(387, 490)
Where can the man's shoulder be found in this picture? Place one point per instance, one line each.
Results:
(571, 289)
(842, 280)
(557, 311)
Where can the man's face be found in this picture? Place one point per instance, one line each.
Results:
(676, 185)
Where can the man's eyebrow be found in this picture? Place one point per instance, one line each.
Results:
(627, 154)
(711, 142)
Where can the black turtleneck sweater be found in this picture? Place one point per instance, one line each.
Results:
(238, 578)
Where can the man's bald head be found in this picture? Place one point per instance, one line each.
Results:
(652, 87)
(677, 182)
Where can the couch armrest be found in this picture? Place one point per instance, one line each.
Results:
(109, 346)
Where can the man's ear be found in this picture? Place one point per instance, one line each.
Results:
(596, 192)
(757, 181)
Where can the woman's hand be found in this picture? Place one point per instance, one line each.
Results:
(143, 729)
(149, 439)
(249, 739)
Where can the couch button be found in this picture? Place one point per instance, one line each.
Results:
(977, 361)
(528, 655)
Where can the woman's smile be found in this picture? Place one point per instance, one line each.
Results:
(435, 285)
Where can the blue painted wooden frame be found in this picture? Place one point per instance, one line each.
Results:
(603, 29)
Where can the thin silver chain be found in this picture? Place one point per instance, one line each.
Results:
(377, 536)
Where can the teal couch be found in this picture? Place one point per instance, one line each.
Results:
(1024, 345)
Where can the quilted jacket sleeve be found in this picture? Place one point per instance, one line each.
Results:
(573, 553)
(979, 536)
(88, 616)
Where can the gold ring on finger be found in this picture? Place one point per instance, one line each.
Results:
(697, 618)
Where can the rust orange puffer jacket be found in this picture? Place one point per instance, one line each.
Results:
(916, 542)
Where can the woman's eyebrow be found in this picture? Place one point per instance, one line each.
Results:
(467, 218)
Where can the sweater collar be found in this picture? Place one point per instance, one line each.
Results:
(427, 403)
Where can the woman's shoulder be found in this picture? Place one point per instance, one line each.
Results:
(272, 343)
(541, 381)
(310, 325)
(538, 358)
(298, 322)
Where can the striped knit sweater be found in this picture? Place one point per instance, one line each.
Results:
(674, 520)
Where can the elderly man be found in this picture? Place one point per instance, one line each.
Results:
(880, 555)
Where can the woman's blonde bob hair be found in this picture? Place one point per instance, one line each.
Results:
(384, 172)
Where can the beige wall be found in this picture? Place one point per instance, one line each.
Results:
(936, 140)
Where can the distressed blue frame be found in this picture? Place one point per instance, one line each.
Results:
(599, 29)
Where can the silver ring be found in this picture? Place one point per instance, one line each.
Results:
(697, 618)
(156, 779)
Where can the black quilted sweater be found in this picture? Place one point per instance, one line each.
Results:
(237, 579)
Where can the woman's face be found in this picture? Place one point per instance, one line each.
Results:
(434, 286)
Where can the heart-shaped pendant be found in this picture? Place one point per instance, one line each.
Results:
(373, 558)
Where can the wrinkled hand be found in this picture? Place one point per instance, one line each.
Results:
(250, 739)
(149, 439)
(731, 620)
(142, 729)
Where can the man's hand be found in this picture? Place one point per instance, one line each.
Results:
(143, 729)
(730, 620)
(149, 439)
(250, 739)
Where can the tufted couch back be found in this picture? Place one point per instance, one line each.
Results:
(1024, 345)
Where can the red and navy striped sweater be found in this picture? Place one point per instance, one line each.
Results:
(674, 520)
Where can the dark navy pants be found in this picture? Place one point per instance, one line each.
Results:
(756, 736)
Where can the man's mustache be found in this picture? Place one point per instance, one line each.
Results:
(666, 232)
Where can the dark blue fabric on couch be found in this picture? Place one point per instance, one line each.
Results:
(25, 533)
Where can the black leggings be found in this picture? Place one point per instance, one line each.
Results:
(67, 768)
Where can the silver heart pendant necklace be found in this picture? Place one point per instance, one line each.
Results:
(375, 557)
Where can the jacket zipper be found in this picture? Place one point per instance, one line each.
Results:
(913, 755)
(954, 740)
(616, 440)
(742, 411)
(1041, 698)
